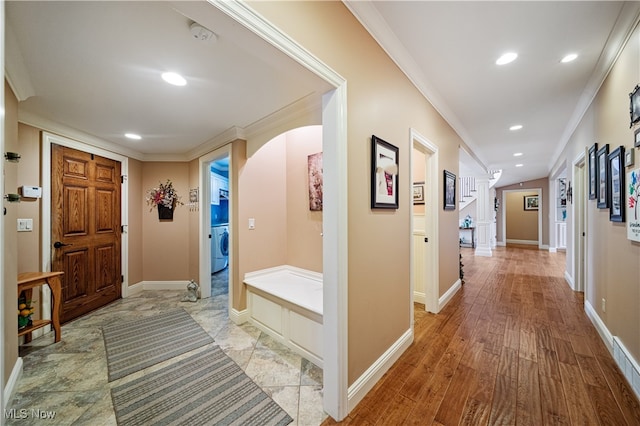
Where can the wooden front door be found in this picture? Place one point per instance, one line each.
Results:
(85, 229)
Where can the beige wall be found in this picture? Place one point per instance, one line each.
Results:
(304, 227)
(10, 243)
(613, 269)
(165, 244)
(383, 103)
(29, 208)
(521, 224)
(545, 199)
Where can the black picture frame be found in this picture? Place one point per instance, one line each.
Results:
(384, 174)
(603, 177)
(531, 202)
(634, 106)
(636, 137)
(593, 172)
(418, 193)
(617, 185)
(449, 183)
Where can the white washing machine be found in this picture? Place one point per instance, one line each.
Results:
(219, 247)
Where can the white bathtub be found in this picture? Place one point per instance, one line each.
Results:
(286, 303)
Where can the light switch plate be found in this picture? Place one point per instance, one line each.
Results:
(25, 225)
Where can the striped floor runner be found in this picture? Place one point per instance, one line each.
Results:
(205, 389)
(134, 345)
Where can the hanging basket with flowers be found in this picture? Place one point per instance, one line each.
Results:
(165, 198)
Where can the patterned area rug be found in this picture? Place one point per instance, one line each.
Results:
(206, 388)
(134, 345)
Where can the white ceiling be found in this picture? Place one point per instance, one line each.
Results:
(449, 49)
(94, 67)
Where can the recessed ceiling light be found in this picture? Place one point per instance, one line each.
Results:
(506, 58)
(570, 57)
(174, 78)
(515, 127)
(519, 165)
(133, 136)
(517, 154)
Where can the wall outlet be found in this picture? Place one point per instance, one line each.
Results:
(604, 305)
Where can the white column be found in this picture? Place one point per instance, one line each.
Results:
(485, 218)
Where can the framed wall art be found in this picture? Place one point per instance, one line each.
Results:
(633, 209)
(593, 172)
(603, 177)
(418, 193)
(636, 137)
(634, 106)
(314, 170)
(616, 169)
(384, 174)
(449, 190)
(531, 202)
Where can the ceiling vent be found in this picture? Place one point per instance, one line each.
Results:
(201, 33)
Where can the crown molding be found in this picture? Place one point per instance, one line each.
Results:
(14, 68)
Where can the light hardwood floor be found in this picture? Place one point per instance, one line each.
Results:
(513, 347)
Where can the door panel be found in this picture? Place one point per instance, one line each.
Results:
(85, 223)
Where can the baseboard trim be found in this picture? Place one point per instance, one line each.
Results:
(419, 297)
(239, 317)
(622, 357)
(367, 381)
(527, 242)
(569, 279)
(604, 333)
(449, 294)
(10, 388)
(501, 243)
(553, 250)
(137, 288)
(628, 365)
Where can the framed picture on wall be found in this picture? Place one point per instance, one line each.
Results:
(603, 177)
(531, 202)
(449, 190)
(384, 174)
(616, 168)
(636, 137)
(418, 193)
(593, 172)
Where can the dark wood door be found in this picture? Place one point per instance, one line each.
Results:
(85, 229)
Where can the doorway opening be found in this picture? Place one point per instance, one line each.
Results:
(578, 200)
(219, 206)
(424, 224)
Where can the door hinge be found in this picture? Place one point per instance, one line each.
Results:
(92, 157)
(121, 278)
(426, 240)
(123, 229)
(123, 178)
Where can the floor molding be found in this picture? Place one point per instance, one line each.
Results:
(449, 294)
(374, 373)
(10, 388)
(419, 297)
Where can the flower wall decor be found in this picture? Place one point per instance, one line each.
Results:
(633, 208)
(164, 197)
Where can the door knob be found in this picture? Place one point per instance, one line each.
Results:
(59, 244)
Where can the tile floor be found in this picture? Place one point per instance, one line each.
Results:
(70, 377)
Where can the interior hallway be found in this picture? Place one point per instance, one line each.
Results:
(513, 347)
(70, 377)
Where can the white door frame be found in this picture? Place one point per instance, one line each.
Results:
(432, 270)
(335, 213)
(504, 212)
(204, 208)
(579, 216)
